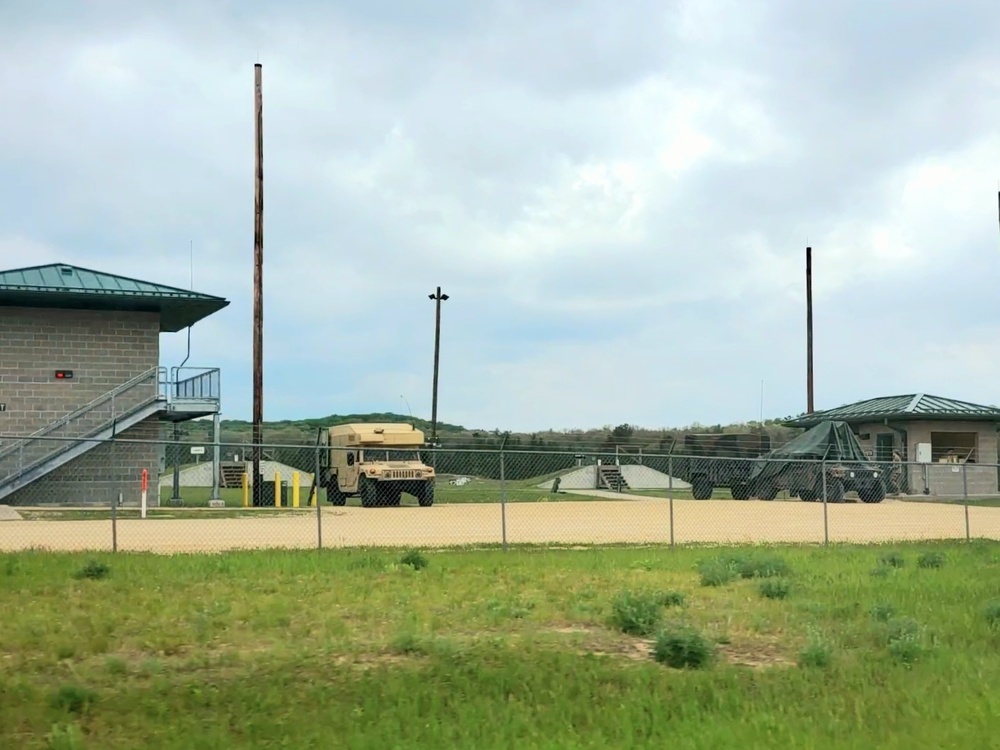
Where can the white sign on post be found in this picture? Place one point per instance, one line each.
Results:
(198, 450)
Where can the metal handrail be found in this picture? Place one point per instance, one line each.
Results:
(83, 410)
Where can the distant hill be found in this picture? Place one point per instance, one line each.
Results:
(304, 431)
(301, 431)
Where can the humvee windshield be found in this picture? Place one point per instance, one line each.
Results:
(383, 454)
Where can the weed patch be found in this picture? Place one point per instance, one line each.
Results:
(882, 611)
(775, 588)
(906, 639)
(415, 559)
(930, 560)
(991, 613)
(763, 567)
(892, 560)
(672, 599)
(715, 573)
(636, 613)
(817, 654)
(93, 570)
(73, 698)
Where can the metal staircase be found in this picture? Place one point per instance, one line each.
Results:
(72, 435)
(611, 478)
(231, 474)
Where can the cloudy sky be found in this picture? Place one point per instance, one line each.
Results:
(616, 196)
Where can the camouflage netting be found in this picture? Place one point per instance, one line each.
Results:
(830, 440)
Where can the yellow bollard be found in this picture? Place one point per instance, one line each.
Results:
(277, 489)
(295, 489)
(314, 493)
(246, 490)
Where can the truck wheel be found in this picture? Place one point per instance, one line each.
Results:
(368, 490)
(834, 490)
(767, 493)
(740, 491)
(333, 494)
(393, 495)
(808, 496)
(872, 493)
(701, 488)
(425, 495)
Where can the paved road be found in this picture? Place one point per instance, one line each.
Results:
(570, 522)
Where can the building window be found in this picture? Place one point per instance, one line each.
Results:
(955, 447)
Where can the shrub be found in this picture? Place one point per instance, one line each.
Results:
(93, 570)
(817, 654)
(930, 560)
(636, 613)
(682, 647)
(415, 559)
(775, 588)
(717, 573)
(882, 571)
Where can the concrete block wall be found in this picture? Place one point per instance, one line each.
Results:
(103, 349)
(98, 475)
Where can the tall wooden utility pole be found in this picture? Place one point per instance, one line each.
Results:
(810, 404)
(258, 285)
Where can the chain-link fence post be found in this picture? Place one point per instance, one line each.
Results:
(670, 495)
(115, 492)
(965, 499)
(319, 507)
(826, 522)
(503, 496)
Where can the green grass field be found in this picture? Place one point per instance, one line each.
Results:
(845, 647)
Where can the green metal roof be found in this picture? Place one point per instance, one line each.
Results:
(909, 408)
(65, 287)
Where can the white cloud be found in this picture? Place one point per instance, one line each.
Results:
(617, 198)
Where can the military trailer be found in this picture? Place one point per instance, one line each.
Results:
(798, 468)
(709, 460)
(377, 462)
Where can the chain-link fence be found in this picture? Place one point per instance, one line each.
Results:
(165, 496)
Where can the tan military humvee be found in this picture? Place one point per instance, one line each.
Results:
(376, 461)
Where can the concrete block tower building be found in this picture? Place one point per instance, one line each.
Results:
(79, 365)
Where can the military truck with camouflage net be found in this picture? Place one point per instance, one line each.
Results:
(827, 459)
(708, 461)
(377, 462)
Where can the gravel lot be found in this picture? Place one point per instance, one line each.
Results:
(539, 523)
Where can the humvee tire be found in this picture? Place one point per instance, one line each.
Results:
(834, 490)
(425, 495)
(767, 493)
(368, 490)
(741, 491)
(701, 488)
(333, 494)
(872, 493)
(809, 496)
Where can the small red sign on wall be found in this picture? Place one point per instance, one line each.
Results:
(64, 374)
